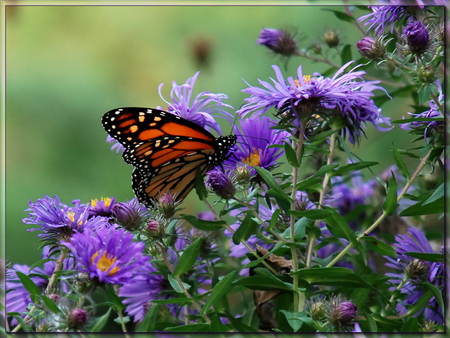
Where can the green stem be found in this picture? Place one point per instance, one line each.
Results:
(383, 215)
(312, 58)
(402, 283)
(249, 248)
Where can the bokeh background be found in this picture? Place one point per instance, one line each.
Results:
(67, 65)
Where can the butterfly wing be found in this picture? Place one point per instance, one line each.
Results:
(165, 150)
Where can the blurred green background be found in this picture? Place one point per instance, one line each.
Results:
(67, 65)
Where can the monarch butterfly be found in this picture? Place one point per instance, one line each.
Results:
(165, 150)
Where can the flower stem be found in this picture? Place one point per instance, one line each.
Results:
(180, 283)
(402, 283)
(249, 248)
(59, 264)
(383, 215)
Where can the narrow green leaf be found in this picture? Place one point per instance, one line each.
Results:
(274, 219)
(238, 325)
(202, 224)
(296, 319)
(390, 204)
(199, 185)
(312, 214)
(216, 325)
(270, 181)
(41, 262)
(309, 182)
(371, 322)
(379, 246)
(352, 167)
(331, 276)
(100, 322)
(418, 209)
(180, 301)
(438, 194)
(25, 327)
(436, 293)
(429, 257)
(220, 289)
(188, 258)
(340, 15)
(291, 155)
(411, 325)
(300, 229)
(325, 169)
(322, 136)
(339, 227)
(190, 328)
(421, 303)
(149, 321)
(399, 161)
(50, 304)
(113, 298)
(174, 284)
(28, 284)
(424, 94)
(265, 281)
(346, 54)
(245, 230)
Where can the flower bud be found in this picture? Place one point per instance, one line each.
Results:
(220, 184)
(426, 74)
(279, 41)
(428, 326)
(128, 215)
(54, 297)
(371, 49)
(317, 311)
(416, 269)
(331, 39)
(417, 37)
(243, 174)
(77, 319)
(316, 47)
(343, 313)
(167, 205)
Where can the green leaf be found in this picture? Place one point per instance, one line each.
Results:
(296, 319)
(340, 228)
(313, 214)
(429, 257)
(341, 15)
(436, 293)
(400, 163)
(113, 298)
(50, 304)
(325, 169)
(245, 230)
(379, 246)
(291, 155)
(188, 258)
(174, 283)
(331, 276)
(300, 229)
(202, 224)
(270, 181)
(421, 303)
(28, 284)
(418, 209)
(216, 325)
(220, 289)
(274, 219)
(411, 325)
(309, 182)
(180, 301)
(149, 321)
(352, 167)
(25, 327)
(390, 204)
(346, 54)
(100, 322)
(371, 322)
(238, 325)
(424, 94)
(322, 136)
(438, 194)
(265, 281)
(190, 328)
(41, 262)
(199, 186)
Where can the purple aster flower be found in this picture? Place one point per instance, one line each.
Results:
(103, 207)
(428, 128)
(341, 100)
(417, 36)
(279, 41)
(145, 287)
(202, 109)
(252, 146)
(415, 272)
(107, 254)
(383, 16)
(58, 221)
(220, 183)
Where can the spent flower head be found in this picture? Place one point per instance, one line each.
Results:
(280, 41)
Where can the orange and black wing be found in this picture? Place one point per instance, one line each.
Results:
(165, 150)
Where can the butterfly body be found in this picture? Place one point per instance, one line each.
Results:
(165, 150)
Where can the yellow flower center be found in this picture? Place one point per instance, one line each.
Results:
(306, 79)
(105, 262)
(253, 160)
(107, 201)
(71, 216)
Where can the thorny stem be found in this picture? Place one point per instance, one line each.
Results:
(299, 299)
(249, 248)
(180, 283)
(378, 221)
